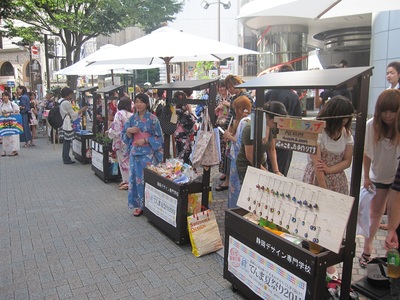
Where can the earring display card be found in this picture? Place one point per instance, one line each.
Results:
(312, 213)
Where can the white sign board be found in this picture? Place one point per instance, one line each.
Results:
(161, 204)
(97, 160)
(77, 146)
(265, 278)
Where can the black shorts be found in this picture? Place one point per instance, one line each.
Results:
(382, 186)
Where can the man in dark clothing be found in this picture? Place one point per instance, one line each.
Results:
(290, 99)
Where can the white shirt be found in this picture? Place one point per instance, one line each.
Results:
(384, 156)
(335, 147)
(67, 113)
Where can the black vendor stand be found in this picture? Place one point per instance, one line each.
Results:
(103, 164)
(292, 258)
(171, 212)
(81, 144)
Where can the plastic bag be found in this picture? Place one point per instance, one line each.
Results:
(363, 220)
(204, 233)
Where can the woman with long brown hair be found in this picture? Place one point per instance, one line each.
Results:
(242, 107)
(381, 153)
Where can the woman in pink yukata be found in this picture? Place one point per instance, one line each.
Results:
(121, 117)
(142, 133)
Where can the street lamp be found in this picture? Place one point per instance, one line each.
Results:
(226, 4)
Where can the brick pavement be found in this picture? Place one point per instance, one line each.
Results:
(65, 234)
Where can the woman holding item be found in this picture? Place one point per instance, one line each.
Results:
(32, 114)
(24, 108)
(381, 153)
(223, 103)
(334, 152)
(245, 156)
(121, 117)
(242, 107)
(10, 142)
(142, 133)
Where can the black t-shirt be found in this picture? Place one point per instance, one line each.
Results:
(288, 98)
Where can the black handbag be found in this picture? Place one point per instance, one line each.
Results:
(165, 120)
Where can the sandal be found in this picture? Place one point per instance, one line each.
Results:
(383, 226)
(122, 183)
(137, 212)
(14, 153)
(26, 146)
(364, 260)
(3, 154)
(221, 188)
(125, 186)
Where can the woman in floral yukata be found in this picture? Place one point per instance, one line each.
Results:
(121, 117)
(142, 133)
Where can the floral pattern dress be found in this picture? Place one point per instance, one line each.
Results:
(142, 156)
(336, 182)
(117, 126)
(222, 116)
(234, 181)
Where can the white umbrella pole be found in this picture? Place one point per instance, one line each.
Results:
(167, 60)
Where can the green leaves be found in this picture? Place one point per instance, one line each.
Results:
(76, 21)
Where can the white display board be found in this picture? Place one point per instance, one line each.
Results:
(310, 212)
(264, 277)
(161, 204)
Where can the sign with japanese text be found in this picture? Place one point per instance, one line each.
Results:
(11, 125)
(264, 277)
(161, 204)
(298, 134)
(312, 126)
(296, 147)
(97, 160)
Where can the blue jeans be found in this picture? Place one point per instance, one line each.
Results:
(65, 150)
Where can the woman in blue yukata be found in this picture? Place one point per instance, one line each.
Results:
(142, 133)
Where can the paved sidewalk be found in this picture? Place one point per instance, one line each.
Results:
(65, 234)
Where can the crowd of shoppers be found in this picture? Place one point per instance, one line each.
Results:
(138, 141)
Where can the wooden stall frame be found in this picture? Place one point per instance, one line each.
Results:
(358, 78)
(107, 91)
(85, 139)
(180, 235)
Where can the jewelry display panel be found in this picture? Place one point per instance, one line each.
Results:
(310, 212)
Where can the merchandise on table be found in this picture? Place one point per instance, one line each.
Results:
(175, 170)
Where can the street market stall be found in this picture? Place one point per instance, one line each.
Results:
(166, 202)
(262, 264)
(81, 144)
(104, 161)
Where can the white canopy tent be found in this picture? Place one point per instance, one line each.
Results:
(172, 46)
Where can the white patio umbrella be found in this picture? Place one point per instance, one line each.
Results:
(315, 9)
(82, 67)
(166, 45)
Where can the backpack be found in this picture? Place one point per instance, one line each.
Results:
(54, 118)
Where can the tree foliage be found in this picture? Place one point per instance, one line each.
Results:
(77, 21)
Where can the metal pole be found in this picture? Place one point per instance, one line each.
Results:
(46, 55)
(219, 20)
(30, 67)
